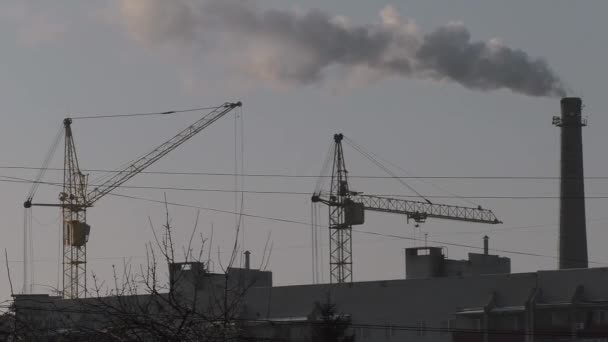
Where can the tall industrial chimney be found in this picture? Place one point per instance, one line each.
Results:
(572, 229)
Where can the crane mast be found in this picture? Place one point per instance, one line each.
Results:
(340, 227)
(347, 208)
(74, 198)
(74, 213)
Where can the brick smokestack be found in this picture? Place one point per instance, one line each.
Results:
(572, 229)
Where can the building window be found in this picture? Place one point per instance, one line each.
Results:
(559, 318)
(600, 317)
(515, 323)
(421, 328)
(445, 329)
(366, 333)
(425, 251)
(388, 331)
(478, 324)
(359, 332)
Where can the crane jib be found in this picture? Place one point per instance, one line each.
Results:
(142, 163)
(347, 208)
(442, 211)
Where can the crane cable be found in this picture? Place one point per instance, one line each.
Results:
(324, 170)
(102, 179)
(28, 242)
(316, 251)
(371, 158)
(169, 112)
(45, 164)
(422, 180)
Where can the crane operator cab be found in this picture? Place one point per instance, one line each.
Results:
(77, 233)
(354, 213)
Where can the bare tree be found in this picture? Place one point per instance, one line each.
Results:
(142, 304)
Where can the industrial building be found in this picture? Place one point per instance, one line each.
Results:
(560, 305)
(439, 299)
(430, 262)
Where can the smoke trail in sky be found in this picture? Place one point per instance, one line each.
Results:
(300, 47)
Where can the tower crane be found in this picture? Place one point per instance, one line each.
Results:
(347, 209)
(75, 197)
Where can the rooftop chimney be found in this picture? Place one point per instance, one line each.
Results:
(247, 260)
(572, 229)
(486, 248)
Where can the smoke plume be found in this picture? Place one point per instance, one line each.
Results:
(301, 47)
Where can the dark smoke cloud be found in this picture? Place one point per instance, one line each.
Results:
(449, 53)
(292, 47)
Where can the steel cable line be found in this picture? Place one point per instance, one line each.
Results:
(308, 224)
(398, 178)
(296, 222)
(508, 229)
(307, 246)
(11, 179)
(280, 175)
(28, 244)
(42, 170)
(473, 247)
(169, 112)
(371, 158)
(324, 169)
(371, 326)
(354, 230)
(421, 179)
(211, 114)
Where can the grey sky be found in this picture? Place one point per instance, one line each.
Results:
(77, 57)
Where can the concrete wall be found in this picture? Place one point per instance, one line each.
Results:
(394, 310)
(430, 262)
(424, 262)
(488, 264)
(404, 304)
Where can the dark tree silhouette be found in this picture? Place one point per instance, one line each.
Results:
(329, 325)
